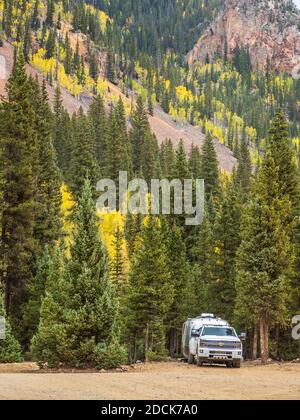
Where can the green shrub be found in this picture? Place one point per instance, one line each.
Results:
(109, 356)
(10, 349)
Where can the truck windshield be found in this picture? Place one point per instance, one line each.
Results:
(219, 332)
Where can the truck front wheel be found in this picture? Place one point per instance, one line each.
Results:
(237, 364)
(199, 362)
(191, 359)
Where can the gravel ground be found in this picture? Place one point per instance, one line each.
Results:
(165, 381)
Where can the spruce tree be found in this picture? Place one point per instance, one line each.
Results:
(19, 158)
(58, 129)
(110, 67)
(48, 217)
(133, 228)
(195, 162)
(36, 293)
(69, 56)
(144, 143)
(35, 21)
(181, 280)
(50, 44)
(265, 257)
(83, 160)
(78, 316)
(284, 158)
(118, 153)
(63, 137)
(167, 159)
(209, 167)
(289, 183)
(118, 264)
(100, 127)
(221, 292)
(10, 349)
(50, 13)
(244, 170)
(151, 292)
(203, 261)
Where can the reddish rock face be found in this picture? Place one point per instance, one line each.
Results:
(270, 33)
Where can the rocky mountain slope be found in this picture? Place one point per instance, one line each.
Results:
(270, 29)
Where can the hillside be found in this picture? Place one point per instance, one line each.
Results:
(270, 30)
(126, 50)
(162, 124)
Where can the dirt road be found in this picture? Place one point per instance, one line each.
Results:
(157, 381)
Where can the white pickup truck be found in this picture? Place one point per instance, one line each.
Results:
(208, 339)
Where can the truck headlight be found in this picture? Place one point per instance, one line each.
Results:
(238, 346)
(203, 343)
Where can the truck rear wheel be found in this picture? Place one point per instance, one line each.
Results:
(237, 364)
(191, 359)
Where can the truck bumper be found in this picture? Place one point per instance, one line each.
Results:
(217, 355)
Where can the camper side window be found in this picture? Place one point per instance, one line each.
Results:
(195, 333)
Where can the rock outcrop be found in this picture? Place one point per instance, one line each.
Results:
(270, 29)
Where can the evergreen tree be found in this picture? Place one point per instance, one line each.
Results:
(118, 151)
(289, 183)
(19, 157)
(133, 228)
(150, 106)
(264, 257)
(181, 281)
(8, 17)
(181, 169)
(209, 167)
(94, 72)
(203, 260)
(195, 162)
(118, 265)
(27, 40)
(221, 292)
(100, 127)
(63, 137)
(69, 56)
(83, 161)
(36, 292)
(151, 293)
(144, 144)
(51, 44)
(48, 198)
(110, 67)
(50, 13)
(10, 349)
(167, 159)
(244, 170)
(78, 316)
(284, 158)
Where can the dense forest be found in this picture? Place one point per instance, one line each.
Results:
(86, 289)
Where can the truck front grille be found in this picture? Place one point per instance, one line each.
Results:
(224, 345)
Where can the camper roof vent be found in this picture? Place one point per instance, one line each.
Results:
(207, 316)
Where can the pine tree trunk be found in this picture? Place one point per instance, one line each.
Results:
(277, 342)
(176, 344)
(262, 341)
(255, 343)
(147, 344)
(172, 342)
(135, 351)
(266, 328)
